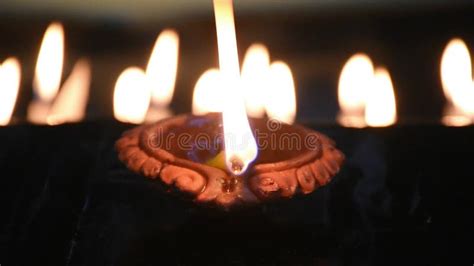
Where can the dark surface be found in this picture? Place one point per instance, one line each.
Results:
(402, 198)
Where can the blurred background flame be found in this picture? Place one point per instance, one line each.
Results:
(314, 38)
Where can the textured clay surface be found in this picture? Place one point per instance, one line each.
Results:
(280, 173)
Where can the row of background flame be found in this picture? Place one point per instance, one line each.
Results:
(366, 94)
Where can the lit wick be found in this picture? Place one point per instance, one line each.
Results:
(237, 165)
(222, 179)
(239, 142)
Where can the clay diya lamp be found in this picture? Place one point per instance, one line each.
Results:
(185, 152)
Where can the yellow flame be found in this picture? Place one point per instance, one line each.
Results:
(281, 104)
(255, 69)
(162, 67)
(131, 96)
(380, 109)
(366, 96)
(355, 80)
(208, 93)
(50, 63)
(240, 144)
(71, 102)
(10, 76)
(458, 86)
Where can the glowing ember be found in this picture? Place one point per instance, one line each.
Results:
(70, 104)
(458, 85)
(240, 144)
(10, 76)
(131, 96)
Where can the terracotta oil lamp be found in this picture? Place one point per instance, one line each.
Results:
(226, 158)
(150, 151)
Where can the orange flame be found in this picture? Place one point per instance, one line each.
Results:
(380, 109)
(48, 72)
(208, 93)
(131, 96)
(70, 104)
(282, 105)
(10, 76)
(240, 144)
(49, 66)
(366, 96)
(355, 79)
(258, 80)
(255, 77)
(162, 67)
(458, 85)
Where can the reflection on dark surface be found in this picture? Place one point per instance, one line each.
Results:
(67, 200)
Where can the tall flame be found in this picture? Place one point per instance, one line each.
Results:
(10, 76)
(131, 96)
(71, 102)
(282, 105)
(255, 77)
(354, 82)
(458, 85)
(50, 63)
(240, 145)
(208, 93)
(162, 67)
(380, 109)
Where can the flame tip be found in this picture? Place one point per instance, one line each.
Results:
(162, 67)
(49, 65)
